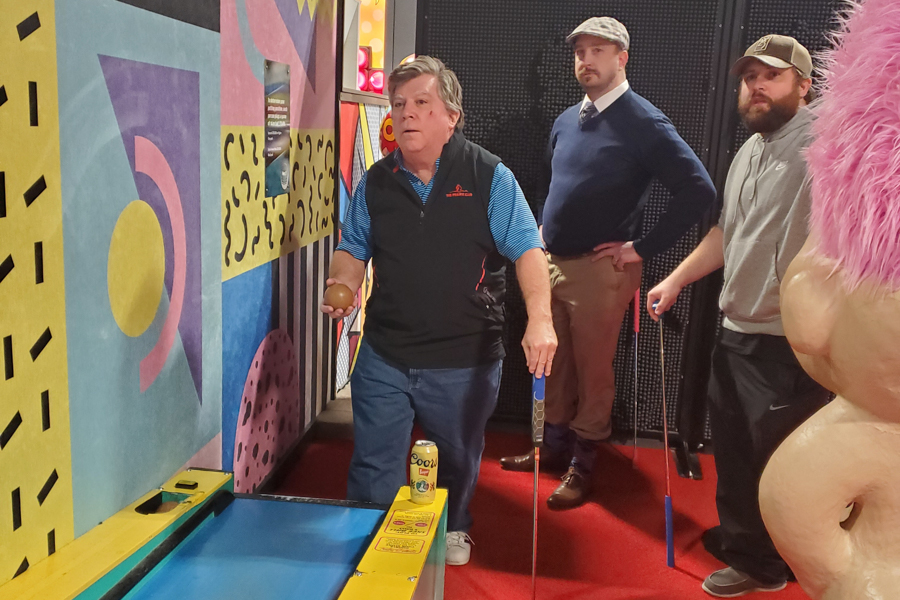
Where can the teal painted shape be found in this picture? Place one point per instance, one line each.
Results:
(125, 442)
(105, 583)
(267, 549)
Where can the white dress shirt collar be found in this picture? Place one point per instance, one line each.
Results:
(604, 101)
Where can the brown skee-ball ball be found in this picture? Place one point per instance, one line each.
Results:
(338, 296)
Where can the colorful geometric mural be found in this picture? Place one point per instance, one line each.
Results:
(139, 139)
(124, 114)
(269, 419)
(261, 294)
(256, 229)
(202, 13)
(161, 136)
(35, 460)
(246, 320)
(300, 285)
(360, 133)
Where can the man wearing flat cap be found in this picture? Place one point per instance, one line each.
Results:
(758, 392)
(605, 152)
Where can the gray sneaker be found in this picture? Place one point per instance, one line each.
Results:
(731, 583)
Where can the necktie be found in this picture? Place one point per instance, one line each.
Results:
(588, 112)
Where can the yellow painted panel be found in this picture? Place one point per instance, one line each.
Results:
(394, 561)
(256, 229)
(35, 461)
(83, 562)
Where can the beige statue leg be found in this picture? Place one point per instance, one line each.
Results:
(841, 455)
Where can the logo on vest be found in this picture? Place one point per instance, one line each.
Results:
(459, 191)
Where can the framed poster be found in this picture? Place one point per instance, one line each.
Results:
(278, 128)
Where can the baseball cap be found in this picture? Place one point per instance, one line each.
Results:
(602, 27)
(779, 51)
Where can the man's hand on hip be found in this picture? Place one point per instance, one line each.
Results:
(621, 253)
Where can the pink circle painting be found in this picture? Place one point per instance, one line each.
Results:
(269, 419)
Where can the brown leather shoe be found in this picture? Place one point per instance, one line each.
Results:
(550, 461)
(572, 492)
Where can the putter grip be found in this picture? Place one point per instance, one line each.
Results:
(537, 411)
(655, 304)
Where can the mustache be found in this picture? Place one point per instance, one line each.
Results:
(584, 70)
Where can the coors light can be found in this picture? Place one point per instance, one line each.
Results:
(423, 465)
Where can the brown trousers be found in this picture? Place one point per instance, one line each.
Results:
(589, 303)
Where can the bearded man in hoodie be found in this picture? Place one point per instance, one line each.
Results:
(758, 391)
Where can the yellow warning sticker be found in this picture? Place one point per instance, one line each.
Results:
(399, 545)
(409, 522)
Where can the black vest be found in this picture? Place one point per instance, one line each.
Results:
(439, 282)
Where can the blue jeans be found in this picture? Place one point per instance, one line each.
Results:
(452, 406)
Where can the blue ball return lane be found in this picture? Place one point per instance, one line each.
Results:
(265, 550)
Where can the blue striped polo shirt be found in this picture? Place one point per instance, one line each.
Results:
(510, 219)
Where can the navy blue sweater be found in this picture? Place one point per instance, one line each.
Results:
(601, 178)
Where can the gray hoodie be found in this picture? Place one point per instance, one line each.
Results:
(765, 219)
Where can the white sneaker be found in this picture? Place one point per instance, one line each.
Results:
(459, 548)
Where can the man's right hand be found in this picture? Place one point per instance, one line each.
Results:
(336, 313)
(666, 293)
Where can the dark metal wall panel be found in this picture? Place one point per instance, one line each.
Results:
(809, 22)
(517, 76)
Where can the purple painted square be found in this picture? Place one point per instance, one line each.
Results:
(162, 104)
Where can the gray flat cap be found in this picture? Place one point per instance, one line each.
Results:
(602, 27)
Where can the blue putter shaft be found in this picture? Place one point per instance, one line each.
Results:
(670, 534)
(537, 438)
(670, 530)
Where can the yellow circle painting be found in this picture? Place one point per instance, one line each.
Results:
(136, 269)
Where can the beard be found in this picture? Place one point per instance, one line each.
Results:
(771, 116)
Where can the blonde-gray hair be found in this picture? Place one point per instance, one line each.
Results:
(449, 89)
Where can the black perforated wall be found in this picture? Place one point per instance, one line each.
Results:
(517, 76)
(809, 22)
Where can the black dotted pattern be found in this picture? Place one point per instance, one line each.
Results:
(517, 75)
(808, 22)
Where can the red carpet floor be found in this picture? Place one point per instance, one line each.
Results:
(612, 548)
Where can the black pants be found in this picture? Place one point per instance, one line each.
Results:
(758, 395)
